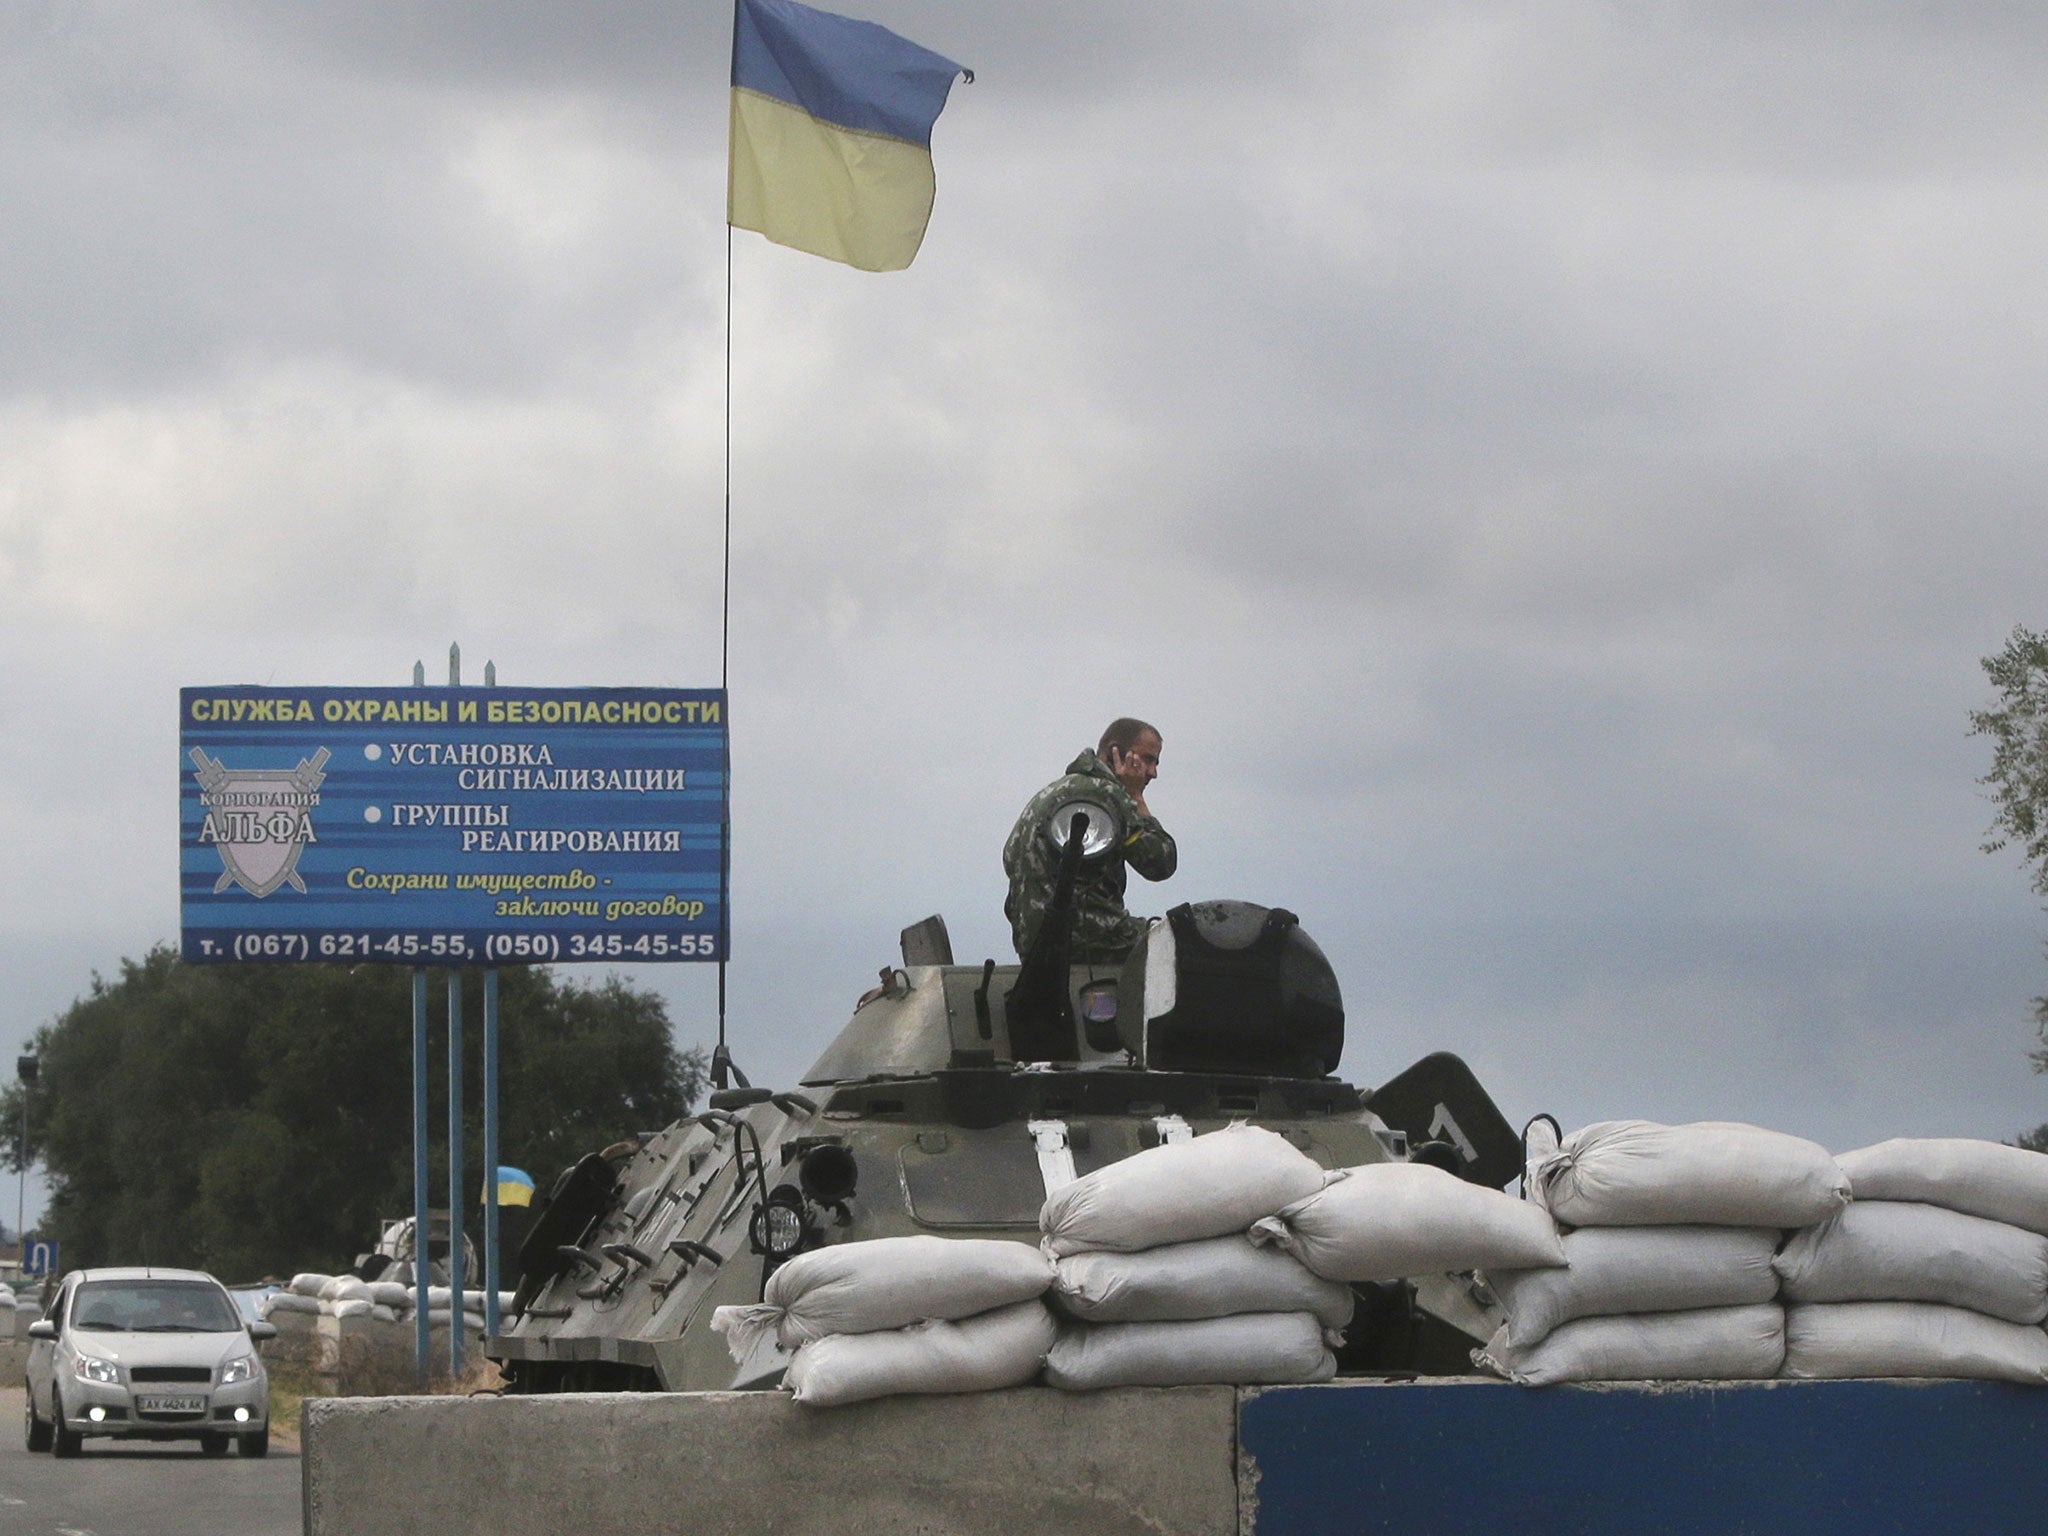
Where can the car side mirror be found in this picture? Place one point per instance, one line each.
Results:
(261, 1331)
(42, 1328)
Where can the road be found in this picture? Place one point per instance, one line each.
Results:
(143, 1489)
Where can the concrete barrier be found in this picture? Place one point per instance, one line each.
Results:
(1436, 1458)
(1121, 1463)
(1480, 1458)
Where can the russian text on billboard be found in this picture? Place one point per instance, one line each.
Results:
(450, 826)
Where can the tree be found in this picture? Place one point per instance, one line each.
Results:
(2018, 781)
(252, 1119)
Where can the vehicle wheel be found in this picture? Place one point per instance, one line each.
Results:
(211, 1444)
(255, 1444)
(63, 1441)
(38, 1435)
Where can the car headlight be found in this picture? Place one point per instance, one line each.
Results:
(105, 1371)
(241, 1368)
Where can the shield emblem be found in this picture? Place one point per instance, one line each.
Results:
(259, 819)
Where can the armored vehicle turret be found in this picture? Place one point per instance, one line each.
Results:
(954, 1098)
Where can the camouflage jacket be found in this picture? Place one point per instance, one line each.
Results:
(1103, 930)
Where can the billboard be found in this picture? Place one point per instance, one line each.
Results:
(450, 826)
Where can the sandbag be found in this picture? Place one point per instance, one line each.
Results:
(883, 1283)
(308, 1285)
(1636, 1173)
(1179, 1192)
(1386, 1221)
(389, 1293)
(352, 1306)
(442, 1297)
(1978, 1178)
(1003, 1348)
(1910, 1338)
(1251, 1349)
(345, 1288)
(1891, 1250)
(1714, 1344)
(1617, 1271)
(383, 1313)
(1216, 1277)
(288, 1301)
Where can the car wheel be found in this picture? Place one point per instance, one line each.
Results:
(37, 1437)
(63, 1441)
(254, 1444)
(211, 1444)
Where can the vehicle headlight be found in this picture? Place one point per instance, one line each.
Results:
(105, 1371)
(241, 1368)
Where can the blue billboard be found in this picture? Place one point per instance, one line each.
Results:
(450, 826)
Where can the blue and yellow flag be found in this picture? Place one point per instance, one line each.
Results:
(832, 133)
(515, 1186)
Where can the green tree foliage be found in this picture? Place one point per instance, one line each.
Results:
(2018, 780)
(2018, 727)
(252, 1119)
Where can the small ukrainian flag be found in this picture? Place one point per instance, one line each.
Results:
(515, 1187)
(832, 133)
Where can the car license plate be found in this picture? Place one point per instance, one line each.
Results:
(163, 1403)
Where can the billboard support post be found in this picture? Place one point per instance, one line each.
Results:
(492, 1280)
(456, 1238)
(419, 1175)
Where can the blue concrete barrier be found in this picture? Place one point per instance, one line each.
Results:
(1838, 1458)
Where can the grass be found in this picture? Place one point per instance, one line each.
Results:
(291, 1383)
(290, 1386)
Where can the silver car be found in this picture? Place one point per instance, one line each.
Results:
(147, 1354)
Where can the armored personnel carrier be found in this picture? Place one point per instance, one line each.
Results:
(952, 1101)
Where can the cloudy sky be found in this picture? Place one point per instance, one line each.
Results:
(1550, 470)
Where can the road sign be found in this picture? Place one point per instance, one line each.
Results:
(452, 826)
(39, 1256)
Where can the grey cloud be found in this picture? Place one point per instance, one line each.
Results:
(1550, 471)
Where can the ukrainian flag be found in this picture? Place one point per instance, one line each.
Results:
(515, 1186)
(832, 133)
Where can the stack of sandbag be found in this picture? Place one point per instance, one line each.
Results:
(1159, 1284)
(901, 1314)
(1383, 1222)
(1671, 1232)
(351, 1296)
(440, 1303)
(1939, 1267)
(300, 1299)
(386, 1301)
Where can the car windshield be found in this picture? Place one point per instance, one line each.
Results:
(154, 1306)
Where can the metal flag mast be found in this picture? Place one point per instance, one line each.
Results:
(863, 101)
(722, 1068)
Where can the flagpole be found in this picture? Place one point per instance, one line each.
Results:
(721, 1058)
(881, 89)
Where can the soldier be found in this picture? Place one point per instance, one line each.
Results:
(1113, 778)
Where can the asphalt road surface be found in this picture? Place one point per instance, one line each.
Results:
(147, 1488)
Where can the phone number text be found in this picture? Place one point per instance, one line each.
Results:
(447, 948)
